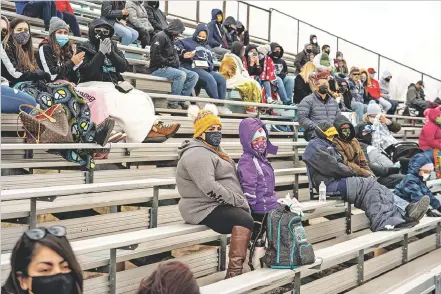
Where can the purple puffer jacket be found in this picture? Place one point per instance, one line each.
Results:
(256, 174)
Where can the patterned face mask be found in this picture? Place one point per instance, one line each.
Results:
(345, 133)
(259, 146)
(21, 38)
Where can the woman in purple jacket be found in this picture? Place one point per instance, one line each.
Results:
(256, 175)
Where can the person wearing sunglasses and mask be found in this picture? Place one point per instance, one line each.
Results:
(414, 188)
(196, 56)
(318, 107)
(210, 190)
(325, 163)
(383, 168)
(242, 33)
(43, 262)
(303, 57)
(230, 31)
(357, 91)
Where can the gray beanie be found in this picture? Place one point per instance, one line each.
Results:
(57, 24)
(373, 108)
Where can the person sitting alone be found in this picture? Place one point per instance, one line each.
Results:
(325, 164)
(415, 98)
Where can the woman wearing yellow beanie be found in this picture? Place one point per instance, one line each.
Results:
(210, 191)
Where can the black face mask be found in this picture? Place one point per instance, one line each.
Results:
(328, 51)
(229, 28)
(308, 50)
(60, 284)
(387, 79)
(213, 138)
(240, 30)
(323, 89)
(343, 90)
(276, 54)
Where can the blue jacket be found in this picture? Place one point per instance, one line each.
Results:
(412, 188)
(215, 31)
(256, 175)
(203, 51)
(20, 6)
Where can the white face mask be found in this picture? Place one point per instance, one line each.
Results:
(372, 76)
(314, 40)
(426, 177)
(340, 58)
(372, 119)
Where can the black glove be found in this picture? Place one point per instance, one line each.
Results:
(433, 213)
(393, 170)
(40, 75)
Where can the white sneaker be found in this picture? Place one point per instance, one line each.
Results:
(223, 110)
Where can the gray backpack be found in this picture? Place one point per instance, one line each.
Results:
(287, 245)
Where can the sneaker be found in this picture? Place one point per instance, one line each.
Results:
(165, 129)
(223, 110)
(416, 210)
(174, 106)
(185, 105)
(103, 131)
(154, 137)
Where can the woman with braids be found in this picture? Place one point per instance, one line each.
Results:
(25, 76)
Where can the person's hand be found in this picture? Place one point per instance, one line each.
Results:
(77, 58)
(123, 22)
(42, 75)
(105, 46)
(189, 54)
(384, 120)
(125, 12)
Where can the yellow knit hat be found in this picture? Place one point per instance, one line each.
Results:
(203, 118)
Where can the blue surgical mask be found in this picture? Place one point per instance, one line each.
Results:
(62, 39)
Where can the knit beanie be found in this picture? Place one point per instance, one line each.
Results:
(57, 24)
(373, 108)
(203, 118)
(259, 133)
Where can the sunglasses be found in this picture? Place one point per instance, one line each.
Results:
(39, 233)
(105, 32)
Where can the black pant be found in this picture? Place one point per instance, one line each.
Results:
(224, 217)
(144, 37)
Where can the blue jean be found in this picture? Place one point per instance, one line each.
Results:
(289, 82)
(394, 104)
(72, 21)
(12, 99)
(42, 9)
(213, 82)
(401, 204)
(183, 80)
(127, 34)
(283, 94)
(360, 109)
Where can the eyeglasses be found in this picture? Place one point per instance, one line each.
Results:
(39, 233)
(103, 31)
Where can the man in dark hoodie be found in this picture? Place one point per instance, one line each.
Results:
(164, 62)
(230, 31)
(242, 33)
(216, 34)
(156, 16)
(303, 57)
(325, 164)
(315, 44)
(283, 80)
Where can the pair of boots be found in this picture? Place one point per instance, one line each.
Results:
(240, 238)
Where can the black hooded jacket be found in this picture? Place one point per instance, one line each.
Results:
(156, 16)
(236, 48)
(346, 93)
(316, 46)
(242, 34)
(254, 70)
(279, 62)
(111, 11)
(341, 120)
(162, 51)
(230, 36)
(99, 67)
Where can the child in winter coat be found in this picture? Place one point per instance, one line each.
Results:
(256, 175)
(413, 187)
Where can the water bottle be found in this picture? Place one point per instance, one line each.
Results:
(322, 192)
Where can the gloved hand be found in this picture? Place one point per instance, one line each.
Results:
(105, 46)
(433, 213)
(393, 170)
(41, 75)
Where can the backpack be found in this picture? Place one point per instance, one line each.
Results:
(287, 245)
(403, 152)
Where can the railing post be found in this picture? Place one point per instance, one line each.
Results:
(248, 19)
(112, 271)
(154, 209)
(298, 36)
(166, 8)
(405, 256)
(33, 214)
(337, 42)
(224, 8)
(422, 76)
(198, 11)
(269, 25)
(378, 70)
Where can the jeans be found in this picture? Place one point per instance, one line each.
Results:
(72, 21)
(220, 52)
(360, 109)
(42, 9)
(289, 82)
(183, 80)
(385, 104)
(401, 204)
(267, 87)
(12, 99)
(127, 34)
(286, 99)
(213, 82)
(394, 106)
(143, 36)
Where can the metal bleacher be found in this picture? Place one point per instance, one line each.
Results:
(125, 211)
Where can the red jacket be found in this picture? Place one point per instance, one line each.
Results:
(64, 6)
(430, 136)
(374, 89)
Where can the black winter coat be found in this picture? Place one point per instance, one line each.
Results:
(111, 11)
(156, 17)
(301, 89)
(301, 59)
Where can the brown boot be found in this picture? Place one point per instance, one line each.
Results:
(240, 237)
(165, 129)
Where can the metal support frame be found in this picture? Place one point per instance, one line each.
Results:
(298, 35)
(33, 209)
(360, 267)
(296, 186)
(89, 176)
(166, 8)
(349, 219)
(296, 156)
(112, 266)
(438, 235)
(337, 43)
(269, 25)
(438, 284)
(198, 10)
(378, 69)
(297, 284)
(248, 17)
(154, 209)
(222, 264)
(29, 154)
(224, 8)
(405, 257)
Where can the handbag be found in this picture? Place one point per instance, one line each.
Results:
(202, 64)
(50, 126)
(124, 87)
